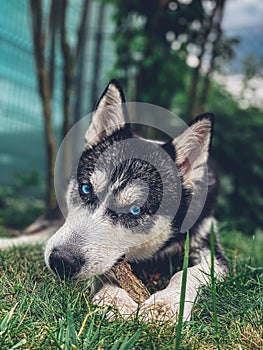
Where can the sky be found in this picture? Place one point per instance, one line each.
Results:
(244, 19)
(240, 14)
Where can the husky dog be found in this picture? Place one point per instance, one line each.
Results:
(114, 210)
(130, 198)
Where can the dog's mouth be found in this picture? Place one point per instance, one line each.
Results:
(109, 276)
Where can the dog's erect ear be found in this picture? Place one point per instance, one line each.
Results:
(192, 149)
(110, 114)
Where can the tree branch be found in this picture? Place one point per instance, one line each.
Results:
(45, 95)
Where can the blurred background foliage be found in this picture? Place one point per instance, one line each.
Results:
(175, 54)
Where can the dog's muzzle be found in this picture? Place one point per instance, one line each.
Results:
(64, 263)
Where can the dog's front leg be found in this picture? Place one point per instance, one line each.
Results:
(118, 298)
(164, 304)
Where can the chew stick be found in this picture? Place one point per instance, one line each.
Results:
(128, 281)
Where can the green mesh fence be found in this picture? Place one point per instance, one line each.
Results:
(21, 126)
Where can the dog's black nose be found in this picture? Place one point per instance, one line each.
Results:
(64, 263)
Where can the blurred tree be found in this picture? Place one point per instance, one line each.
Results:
(166, 48)
(253, 67)
(237, 148)
(160, 42)
(83, 35)
(253, 72)
(222, 52)
(98, 54)
(214, 51)
(45, 86)
(45, 51)
(200, 38)
(207, 46)
(151, 39)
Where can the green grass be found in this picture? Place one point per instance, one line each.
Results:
(183, 291)
(38, 313)
(213, 283)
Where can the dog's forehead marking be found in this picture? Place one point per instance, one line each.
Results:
(99, 180)
(132, 193)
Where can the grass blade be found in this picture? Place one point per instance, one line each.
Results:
(71, 331)
(127, 343)
(213, 283)
(93, 333)
(19, 344)
(6, 319)
(183, 290)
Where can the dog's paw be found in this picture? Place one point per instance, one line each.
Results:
(158, 308)
(163, 306)
(123, 305)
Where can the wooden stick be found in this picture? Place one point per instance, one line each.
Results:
(128, 281)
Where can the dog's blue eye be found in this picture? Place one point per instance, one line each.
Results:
(86, 188)
(135, 210)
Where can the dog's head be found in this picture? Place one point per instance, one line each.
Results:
(130, 194)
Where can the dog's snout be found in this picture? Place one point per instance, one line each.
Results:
(64, 263)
